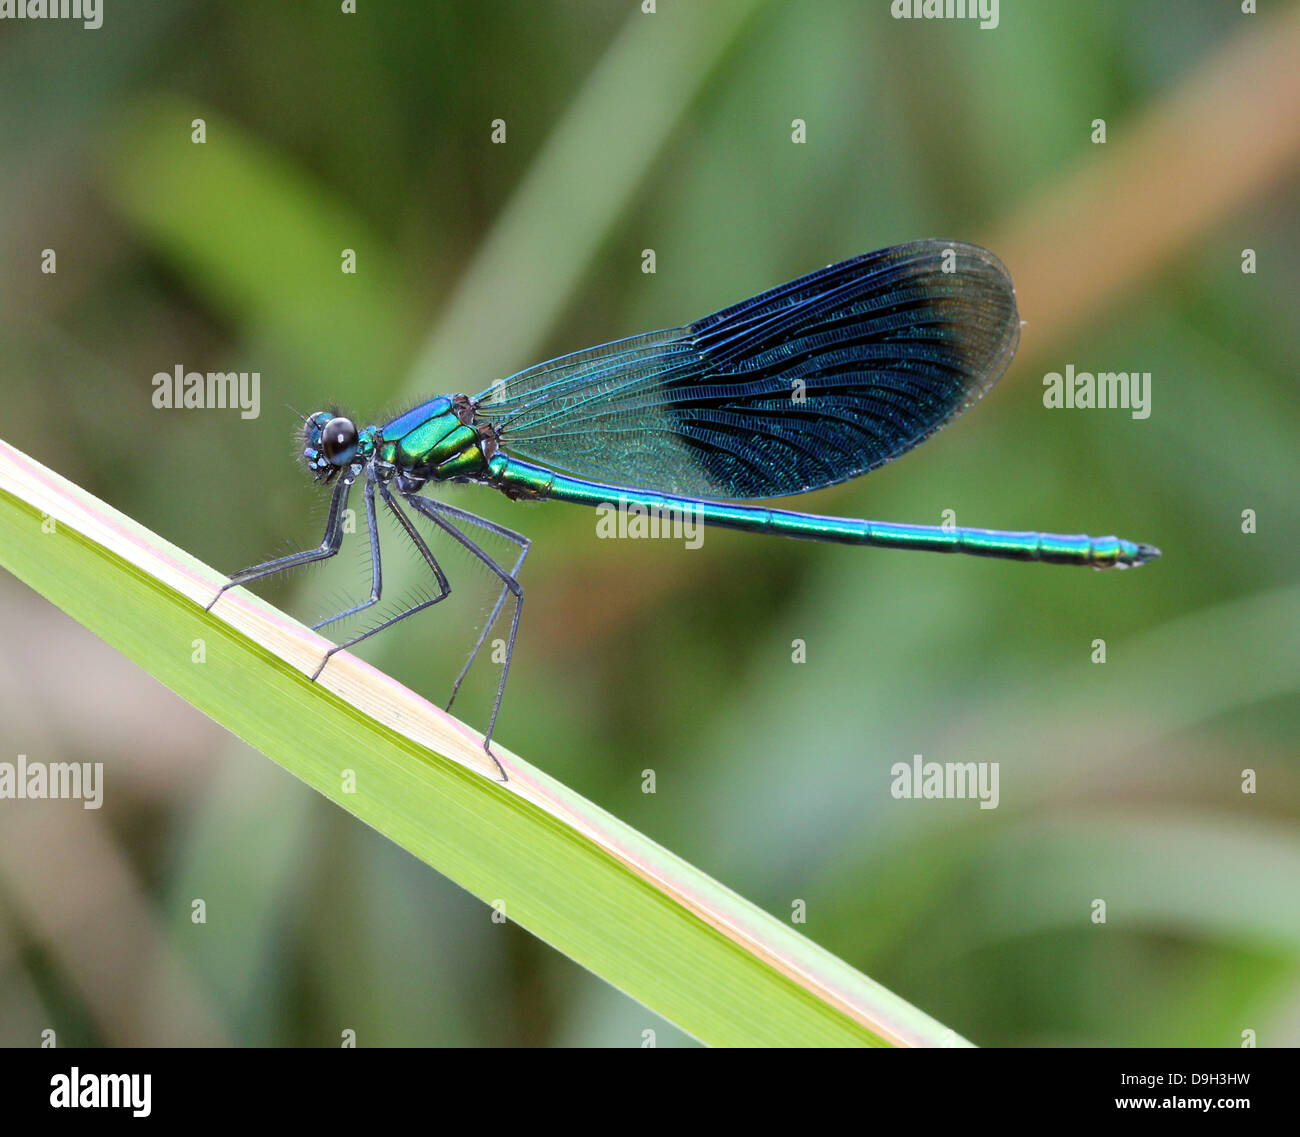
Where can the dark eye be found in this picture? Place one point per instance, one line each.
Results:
(338, 440)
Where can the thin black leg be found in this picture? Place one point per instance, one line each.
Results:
(376, 569)
(523, 544)
(327, 548)
(444, 588)
(433, 512)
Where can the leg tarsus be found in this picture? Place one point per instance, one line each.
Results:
(504, 776)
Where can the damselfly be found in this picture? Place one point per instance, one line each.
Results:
(809, 384)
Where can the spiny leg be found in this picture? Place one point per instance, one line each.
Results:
(327, 548)
(430, 560)
(376, 569)
(523, 544)
(425, 552)
(431, 511)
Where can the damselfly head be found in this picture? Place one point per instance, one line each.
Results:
(329, 442)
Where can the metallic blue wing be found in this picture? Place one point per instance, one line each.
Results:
(803, 386)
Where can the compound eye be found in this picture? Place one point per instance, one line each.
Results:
(338, 441)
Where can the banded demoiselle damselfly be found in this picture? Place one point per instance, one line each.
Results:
(811, 383)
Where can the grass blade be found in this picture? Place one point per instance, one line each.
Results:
(595, 889)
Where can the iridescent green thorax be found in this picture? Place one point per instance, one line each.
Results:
(435, 440)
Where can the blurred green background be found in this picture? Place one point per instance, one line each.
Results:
(672, 131)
